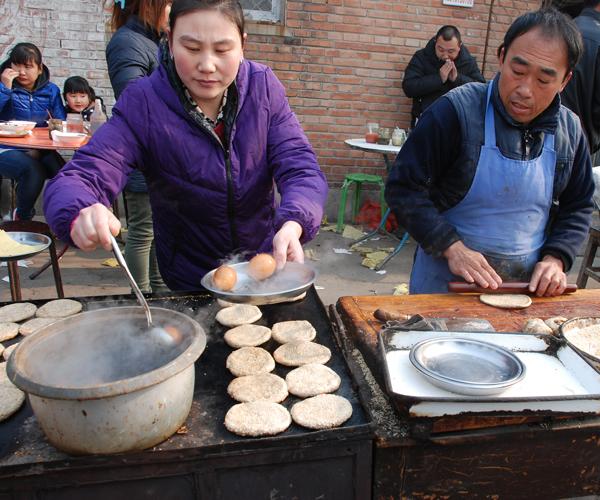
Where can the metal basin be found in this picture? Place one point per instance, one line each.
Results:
(98, 382)
(583, 335)
(467, 366)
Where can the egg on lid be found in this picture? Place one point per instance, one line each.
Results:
(224, 278)
(261, 266)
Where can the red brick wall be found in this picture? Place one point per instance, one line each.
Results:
(342, 63)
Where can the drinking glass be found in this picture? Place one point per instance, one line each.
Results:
(75, 123)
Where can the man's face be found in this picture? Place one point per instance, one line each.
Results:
(532, 72)
(447, 49)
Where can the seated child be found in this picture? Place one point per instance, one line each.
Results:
(80, 97)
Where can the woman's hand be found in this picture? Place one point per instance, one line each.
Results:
(286, 244)
(7, 77)
(93, 226)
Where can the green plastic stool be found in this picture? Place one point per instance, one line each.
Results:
(358, 179)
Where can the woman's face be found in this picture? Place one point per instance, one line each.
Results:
(28, 73)
(207, 50)
(78, 101)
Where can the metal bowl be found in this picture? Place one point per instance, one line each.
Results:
(467, 366)
(291, 281)
(38, 242)
(583, 335)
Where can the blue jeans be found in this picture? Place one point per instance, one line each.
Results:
(30, 169)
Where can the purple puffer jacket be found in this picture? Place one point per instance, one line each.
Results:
(203, 211)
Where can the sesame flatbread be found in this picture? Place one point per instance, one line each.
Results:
(60, 308)
(239, 314)
(34, 324)
(249, 361)
(301, 353)
(261, 387)
(506, 301)
(536, 325)
(8, 351)
(11, 397)
(19, 311)
(312, 379)
(8, 331)
(247, 336)
(293, 331)
(322, 412)
(257, 418)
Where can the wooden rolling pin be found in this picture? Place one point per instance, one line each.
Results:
(514, 287)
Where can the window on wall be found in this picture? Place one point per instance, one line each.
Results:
(263, 10)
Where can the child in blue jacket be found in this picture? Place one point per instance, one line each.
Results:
(26, 93)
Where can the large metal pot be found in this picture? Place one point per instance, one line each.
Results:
(100, 382)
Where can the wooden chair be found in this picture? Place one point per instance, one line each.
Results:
(587, 266)
(31, 226)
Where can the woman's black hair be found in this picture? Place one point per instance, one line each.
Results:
(24, 53)
(553, 24)
(76, 85)
(231, 9)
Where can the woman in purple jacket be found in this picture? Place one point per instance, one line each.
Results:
(213, 134)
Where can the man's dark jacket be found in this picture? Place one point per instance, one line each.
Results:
(582, 93)
(422, 79)
(436, 166)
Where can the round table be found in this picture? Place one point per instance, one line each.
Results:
(384, 150)
(38, 139)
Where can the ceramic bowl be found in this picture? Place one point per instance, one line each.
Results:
(68, 139)
(16, 126)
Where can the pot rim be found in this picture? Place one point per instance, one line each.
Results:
(110, 389)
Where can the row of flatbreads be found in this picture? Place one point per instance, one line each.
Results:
(25, 318)
(260, 392)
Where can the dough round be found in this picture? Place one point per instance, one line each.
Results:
(60, 308)
(536, 325)
(8, 331)
(293, 331)
(34, 324)
(11, 397)
(261, 387)
(555, 322)
(247, 336)
(8, 351)
(257, 418)
(322, 412)
(249, 361)
(225, 303)
(312, 379)
(13, 313)
(506, 301)
(301, 353)
(239, 314)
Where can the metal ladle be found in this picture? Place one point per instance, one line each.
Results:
(159, 333)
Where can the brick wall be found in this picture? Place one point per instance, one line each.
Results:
(341, 61)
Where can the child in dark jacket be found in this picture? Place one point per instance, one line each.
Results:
(26, 93)
(80, 97)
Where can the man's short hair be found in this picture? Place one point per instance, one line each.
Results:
(553, 24)
(448, 32)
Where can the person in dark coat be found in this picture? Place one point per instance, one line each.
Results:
(133, 53)
(444, 64)
(26, 93)
(214, 135)
(495, 181)
(582, 94)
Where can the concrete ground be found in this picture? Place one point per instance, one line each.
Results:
(339, 274)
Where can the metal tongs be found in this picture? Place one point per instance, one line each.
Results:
(136, 289)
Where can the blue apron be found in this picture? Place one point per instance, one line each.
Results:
(503, 215)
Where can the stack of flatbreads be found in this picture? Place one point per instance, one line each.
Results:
(260, 392)
(26, 318)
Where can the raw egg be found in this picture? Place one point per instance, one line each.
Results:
(225, 278)
(261, 266)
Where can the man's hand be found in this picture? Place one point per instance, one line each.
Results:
(548, 278)
(286, 244)
(93, 226)
(7, 77)
(453, 75)
(471, 265)
(445, 70)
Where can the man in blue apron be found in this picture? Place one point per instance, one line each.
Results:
(495, 181)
